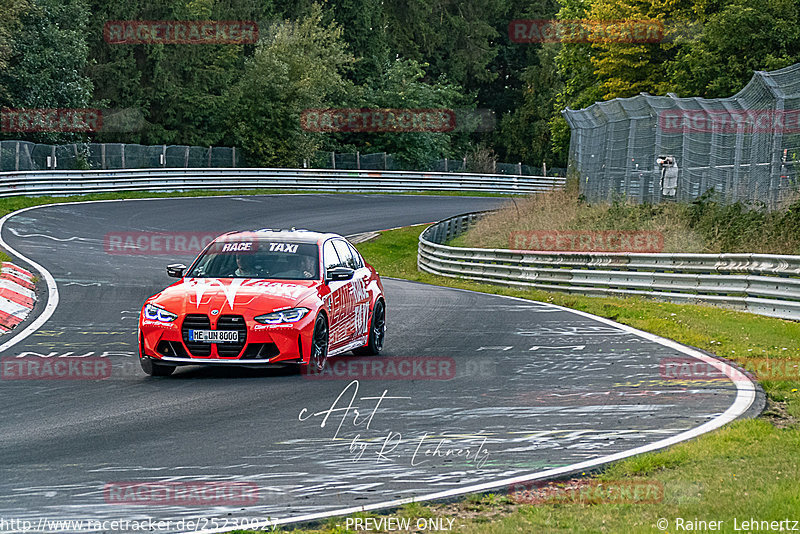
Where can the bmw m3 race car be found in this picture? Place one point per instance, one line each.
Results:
(263, 298)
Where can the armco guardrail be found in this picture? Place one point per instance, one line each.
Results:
(765, 284)
(79, 182)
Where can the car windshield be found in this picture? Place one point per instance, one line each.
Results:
(278, 260)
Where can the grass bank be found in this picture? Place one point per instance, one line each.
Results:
(746, 470)
(702, 226)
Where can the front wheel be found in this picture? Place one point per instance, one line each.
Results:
(319, 346)
(153, 368)
(377, 331)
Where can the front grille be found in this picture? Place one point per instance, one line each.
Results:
(232, 322)
(196, 322)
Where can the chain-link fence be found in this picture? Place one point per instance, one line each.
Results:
(26, 156)
(745, 148)
(388, 162)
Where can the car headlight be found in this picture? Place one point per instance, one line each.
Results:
(283, 316)
(156, 313)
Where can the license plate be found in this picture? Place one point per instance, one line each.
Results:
(214, 336)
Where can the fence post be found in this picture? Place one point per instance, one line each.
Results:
(163, 158)
(209, 155)
(519, 168)
(233, 157)
(445, 164)
(333, 160)
(186, 158)
(358, 160)
(544, 169)
(16, 159)
(123, 155)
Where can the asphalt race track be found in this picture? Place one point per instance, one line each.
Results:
(504, 388)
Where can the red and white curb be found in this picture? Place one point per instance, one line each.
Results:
(16, 295)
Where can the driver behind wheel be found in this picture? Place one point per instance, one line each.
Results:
(246, 266)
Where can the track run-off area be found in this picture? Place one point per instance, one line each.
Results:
(473, 392)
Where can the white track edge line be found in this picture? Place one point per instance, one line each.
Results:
(745, 396)
(52, 288)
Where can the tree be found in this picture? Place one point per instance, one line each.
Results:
(299, 65)
(525, 131)
(47, 60)
(9, 25)
(738, 38)
(180, 89)
(364, 29)
(457, 39)
(403, 87)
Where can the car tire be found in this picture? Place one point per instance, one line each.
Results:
(318, 358)
(152, 368)
(377, 332)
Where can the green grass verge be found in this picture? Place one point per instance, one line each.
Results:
(748, 469)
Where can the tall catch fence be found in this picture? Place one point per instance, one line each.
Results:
(27, 156)
(651, 148)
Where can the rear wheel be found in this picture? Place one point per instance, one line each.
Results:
(150, 367)
(319, 346)
(377, 331)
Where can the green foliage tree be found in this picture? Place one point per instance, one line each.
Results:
(180, 90)
(9, 25)
(526, 131)
(457, 39)
(403, 87)
(298, 65)
(48, 56)
(364, 29)
(738, 37)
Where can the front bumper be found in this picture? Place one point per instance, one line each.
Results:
(223, 362)
(261, 345)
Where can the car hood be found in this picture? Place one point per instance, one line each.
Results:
(233, 295)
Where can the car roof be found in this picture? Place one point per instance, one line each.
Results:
(292, 235)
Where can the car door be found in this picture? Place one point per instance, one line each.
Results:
(358, 313)
(338, 299)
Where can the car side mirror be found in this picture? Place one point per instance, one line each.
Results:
(339, 274)
(176, 270)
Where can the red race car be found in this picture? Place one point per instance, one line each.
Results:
(260, 298)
